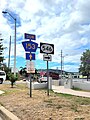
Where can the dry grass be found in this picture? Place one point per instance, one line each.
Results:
(43, 107)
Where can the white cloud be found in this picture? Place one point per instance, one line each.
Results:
(66, 24)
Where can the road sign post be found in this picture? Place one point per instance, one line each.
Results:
(47, 80)
(47, 49)
(30, 83)
(30, 47)
(30, 69)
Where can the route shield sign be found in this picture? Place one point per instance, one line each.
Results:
(30, 36)
(30, 56)
(46, 48)
(30, 46)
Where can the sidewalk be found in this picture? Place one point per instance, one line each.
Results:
(61, 89)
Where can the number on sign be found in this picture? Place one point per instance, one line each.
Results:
(46, 48)
(30, 46)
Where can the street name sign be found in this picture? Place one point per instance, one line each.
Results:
(47, 57)
(30, 46)
(46, 48)
(30, 36)
(30, 56)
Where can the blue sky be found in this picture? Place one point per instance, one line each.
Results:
(64, 23)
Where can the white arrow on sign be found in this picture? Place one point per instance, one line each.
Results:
(47, 57)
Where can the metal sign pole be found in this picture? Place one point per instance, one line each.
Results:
(30, 86)
(30, 81)
(47, 80)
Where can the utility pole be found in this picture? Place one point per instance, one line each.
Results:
(61, 64)
(9, 53)
(5, 12)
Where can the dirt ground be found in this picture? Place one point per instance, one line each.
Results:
(43, 107)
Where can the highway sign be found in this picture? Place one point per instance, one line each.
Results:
(30, 67)
(30, 56)
(30, 46)
(30, 36)
(47, 57)
(46, 48)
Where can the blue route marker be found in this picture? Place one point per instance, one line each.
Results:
(30, 56)
(30, 36)
(30, 46)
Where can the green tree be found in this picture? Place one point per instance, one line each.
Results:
(85, 64)
(7, 70)
(12, 78)
(1, 51)
(23, 72)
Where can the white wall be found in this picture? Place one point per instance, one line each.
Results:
(36, 85)
(55, 82)
(82, 85)
(68, 83)
(76, 83)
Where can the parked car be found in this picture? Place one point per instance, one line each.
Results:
(2, 76)
(42, 79)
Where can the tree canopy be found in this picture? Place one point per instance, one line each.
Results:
(85, 64)
(1, 51)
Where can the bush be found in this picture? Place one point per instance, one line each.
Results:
(12, 78)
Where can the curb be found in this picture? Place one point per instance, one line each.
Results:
(1, 92)
(7, 115)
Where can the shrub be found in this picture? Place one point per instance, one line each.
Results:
(12, 78)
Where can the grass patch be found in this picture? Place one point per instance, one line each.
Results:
(77, 89)
(48, 101)
(17, 88)
(7, 92)
(83, 101)
(59, 106)
(1, 104)
(74, 108)
(21, 86)
(65, 95)
(79, 118)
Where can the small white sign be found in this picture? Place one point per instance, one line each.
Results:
(30, 67)
(16, 70)
(47, 57)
